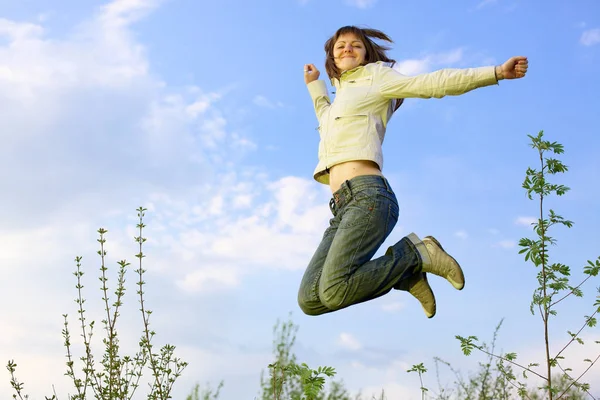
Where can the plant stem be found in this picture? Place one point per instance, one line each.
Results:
(84, 334)
(145, 316)
(70, 369)
(422, 388)
(109, 324)
(546, 313)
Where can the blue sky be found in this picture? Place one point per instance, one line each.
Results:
(198, 111)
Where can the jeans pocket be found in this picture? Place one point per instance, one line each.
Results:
(358, 211)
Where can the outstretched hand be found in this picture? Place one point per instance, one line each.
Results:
(311, 73)
(514, 68)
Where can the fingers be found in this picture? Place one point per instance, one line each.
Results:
(311, 73)
(522, 62)
(519, 66)
(308, 68)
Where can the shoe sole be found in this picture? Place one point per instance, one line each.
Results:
(456, 285)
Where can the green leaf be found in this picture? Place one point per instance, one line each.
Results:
(592, 269)
(467, 344)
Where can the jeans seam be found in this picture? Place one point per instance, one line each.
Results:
(387, 220)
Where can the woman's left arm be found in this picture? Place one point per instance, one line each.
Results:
(448, 82)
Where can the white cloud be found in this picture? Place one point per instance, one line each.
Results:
(215, 206)
(89, 92)
(242, 143)
(202, 104)
(18, 32)
(242, 201)
(461, 234)
(429, 62)
(210, 279)
(449, 57)
(43, 17)
(222, 237)
(393, 307)
(506, 244)
(262, 101)
(413, 67)
(101, 53)
(486, 3)
(361, 3)
(348, 341)
(590, 37)
(526, 221)
(291, 193)
(122, 13)
(392, 390)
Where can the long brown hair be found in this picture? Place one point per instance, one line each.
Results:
(374, 51)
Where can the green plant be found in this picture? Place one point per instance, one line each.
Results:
(487, 383)
(420, 369)
(311, 381)
(117, 376)
(206, 394)
(553, 279)
(289, 380)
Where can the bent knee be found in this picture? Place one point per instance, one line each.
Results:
(307, 306)
(333, 298)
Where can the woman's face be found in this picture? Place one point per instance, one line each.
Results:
(348, 52)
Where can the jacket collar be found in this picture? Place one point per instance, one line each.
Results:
(336, 82)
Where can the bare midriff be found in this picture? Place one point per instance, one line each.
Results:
(340, 173)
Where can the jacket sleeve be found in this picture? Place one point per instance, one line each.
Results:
(445, 82)
(320, 97)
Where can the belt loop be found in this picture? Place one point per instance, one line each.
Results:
(349, 188)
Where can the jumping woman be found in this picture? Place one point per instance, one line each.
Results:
(364, 207)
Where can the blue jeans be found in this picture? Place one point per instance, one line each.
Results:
(341, 272)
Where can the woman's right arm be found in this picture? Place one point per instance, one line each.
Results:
(317, 89)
